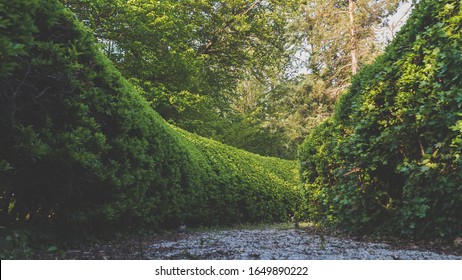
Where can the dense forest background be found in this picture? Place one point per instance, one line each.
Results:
(256, 75)
(119, 116)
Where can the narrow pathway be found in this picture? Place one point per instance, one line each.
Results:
(279, 244)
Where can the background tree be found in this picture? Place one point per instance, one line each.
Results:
(188, 56)
(334, 39)
(217, 67)
(339, 36)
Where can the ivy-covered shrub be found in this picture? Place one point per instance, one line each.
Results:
(388, 161)
(81, 150)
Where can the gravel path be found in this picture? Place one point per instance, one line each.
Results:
(273, 243)
(277, 244)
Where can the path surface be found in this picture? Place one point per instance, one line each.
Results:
(257, 244)
(269, 244)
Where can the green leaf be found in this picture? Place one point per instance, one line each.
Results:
(52, 249)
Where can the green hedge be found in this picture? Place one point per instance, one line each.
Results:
(243, 186)
(82, 150)
(388, 161)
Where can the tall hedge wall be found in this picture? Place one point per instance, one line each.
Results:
(389, 160)
(82, 150)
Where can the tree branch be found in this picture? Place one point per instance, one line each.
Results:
(215, 37)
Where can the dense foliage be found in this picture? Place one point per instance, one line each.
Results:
(388, 161)
(82, 151)
(190, 57)
(216, 67)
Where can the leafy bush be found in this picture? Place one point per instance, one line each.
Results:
(388, 161)
(82, 151)
(237, 191)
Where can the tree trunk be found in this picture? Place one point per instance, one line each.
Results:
(353, 39)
